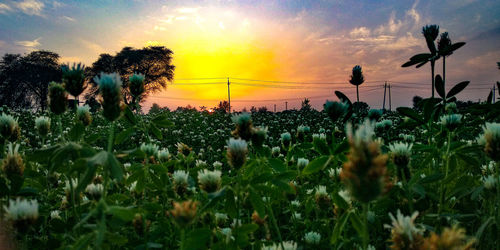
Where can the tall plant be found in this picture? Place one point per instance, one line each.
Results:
(430, 33)
(445, 49)
(357, 79)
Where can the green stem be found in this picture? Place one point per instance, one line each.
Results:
(408, 190)
(183, 238)
(110, 150)
(275, 223)
(497, 214)
(442, 186)
(366, 236)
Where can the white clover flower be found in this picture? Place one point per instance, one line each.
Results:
(132, 186)
(217, 164)
(288, 245)
(302, 163)
(209, 181)
(42, 125)
(346, 196)
(404, 225)
(163, 154)
(94, 191)
(149, 149)
(363, 135)
(321, 191)
(451, 121)
(21, 210)
(67, 188)
(180, 177)
(489, 182)
(236, 152)
(228, 232)
(55, 214)
(275, 151)
(200, 163)
(312, 238)
(220, 217)
(297, 216)
(295, 203)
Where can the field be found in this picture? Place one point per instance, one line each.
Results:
(341, 178)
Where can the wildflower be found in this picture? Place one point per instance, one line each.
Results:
(288, 245)
(490, 139)
(209, 181)
(163, 155)
(73, 79)
(365, 172)
(286, 139)
(58, 98)
(42, 125)
(275, 151)
(236, 152)
(183, 213)
(400, 155)
(67, 187)
(374, 114)
(297, 216)
(301, 132)
(149, 149)
(302, 163)
(217, 164)
(243, 126)
(335, 110)
(430, 33)
(22, 213)
(13, 164)
(450, 107)
(200, 163)
(7, 126)
(489, 182)
(136, 85)
(321, 196)
(450, 238)
(94, 191)
(183, 148)
(110, 89)
(346, 196)
(451, 122)
(259, 135)
(180, 181)
(295, 203)
(228, 232)
(312, 238)
(55, 214)
(405, 235)
(383, 125)
(220, 218)
(83, 115)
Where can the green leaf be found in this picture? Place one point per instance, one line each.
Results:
(490, 98)
(421, 64)
(230, 203)
(439, 84)
(341, 147)
(162, 121)
(356, 223)
(114, 167)
(198, 239)
(155, 131)
(317, 164)
(257, 203)
(418, 58)
(452, 48)
(457, 89)
(129, 116)
(321, 146)
(342, 97)
(410, 113)
(122, 213)
(76, 131)
(83, 242)
(481, 229)
(339, 201)
(277, 165)
(339, 226)
(124, 135)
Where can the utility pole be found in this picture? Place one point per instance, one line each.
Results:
(274, 108)
(228, 95)
(385, 88)
(390, 106)
(286, 105)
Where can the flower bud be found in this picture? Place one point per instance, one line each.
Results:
(83, 115)
(22, 213)
(335, 110)
(42, 125)
(490, 139)
(183, 213)
(58, 98)
(209, 181)
(243, 126)
(110, 89)
(13, 164)
(73, 79)
(136, 85)
(236, 152)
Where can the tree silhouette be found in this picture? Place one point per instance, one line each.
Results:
(357, 79)
(305, 105)
(430, 33)
(24, 80)
(154, 62)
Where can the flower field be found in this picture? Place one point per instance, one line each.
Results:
(341, 178)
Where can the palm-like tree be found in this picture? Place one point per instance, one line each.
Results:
(357, 78)
(445, 49)
(430, 33)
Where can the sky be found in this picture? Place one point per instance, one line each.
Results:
(294, 43)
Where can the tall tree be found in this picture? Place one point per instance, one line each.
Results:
(154, 62)
(26, 78)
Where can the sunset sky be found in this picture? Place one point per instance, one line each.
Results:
(288, 41)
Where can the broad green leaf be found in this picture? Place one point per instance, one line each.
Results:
(439, 84)
(317, 164)
(457, 89)
(122, 213)
(115, 167)
(198, 239)
(124, 135)
(155, 131)
(410, 113)
(257, 203)
(339, 227)
(76, 131)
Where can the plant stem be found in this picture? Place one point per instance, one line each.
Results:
(366, 236)
(442, 186)
(408, 190)
(497, 214)
(110, 150)
(432, 73)
(275, 223)
(183, 238)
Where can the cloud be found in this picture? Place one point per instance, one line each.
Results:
(67, 18)
(360, 32)
(31, 7)
(70, 59)
(186, 10)
(29, 44)
(93, 46)
(4, 8)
